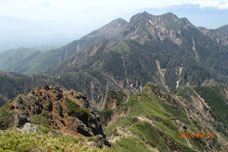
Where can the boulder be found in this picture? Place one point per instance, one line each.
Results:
(29, 128)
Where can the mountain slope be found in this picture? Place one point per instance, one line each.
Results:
(150, 52)
(223, 29)
(218, 35)
(13, 84)
(153, 121)
(148, 121)
(43, 62)
(164, 33)
(167, 34)
(164, 49)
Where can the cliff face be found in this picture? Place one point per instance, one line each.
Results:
(53, 110)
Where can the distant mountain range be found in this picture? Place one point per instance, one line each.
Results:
(150, 79)
(164, 49)
(44, 34)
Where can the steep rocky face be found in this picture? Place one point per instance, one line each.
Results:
(54, 110)
(146, 27)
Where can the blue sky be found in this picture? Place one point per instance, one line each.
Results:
(81, 9)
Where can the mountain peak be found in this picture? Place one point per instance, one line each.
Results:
(120, 20)
(146, 13)
(140, 16)
(169, 14)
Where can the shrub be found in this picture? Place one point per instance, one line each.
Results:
(75, 110)
(6, 118)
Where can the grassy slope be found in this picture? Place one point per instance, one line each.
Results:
(14, 141)
(164, 134)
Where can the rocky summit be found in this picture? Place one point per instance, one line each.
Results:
(54, 111)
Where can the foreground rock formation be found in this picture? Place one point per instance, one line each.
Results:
(54, 111)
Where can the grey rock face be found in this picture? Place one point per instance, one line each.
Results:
(59, 108)
(80, 127)
(29, 128)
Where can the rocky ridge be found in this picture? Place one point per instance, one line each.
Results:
(56, 111)
(153, 119)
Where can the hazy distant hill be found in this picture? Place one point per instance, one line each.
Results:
(17, 60)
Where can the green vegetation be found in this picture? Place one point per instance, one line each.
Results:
(150, 119)
(2, 101)
(75, 110)
(18, 60)
(186, 93)
(15, 141)
(216, 101)
(43, 122)
(157, 138)
(118, 95)
(6, 117)
(170, 23)
(40, 99)
(131, 145)
(105, 116)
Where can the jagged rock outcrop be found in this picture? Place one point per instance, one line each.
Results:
(56, 110)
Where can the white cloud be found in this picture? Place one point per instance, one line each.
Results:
(219, 4)
(223, 6)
